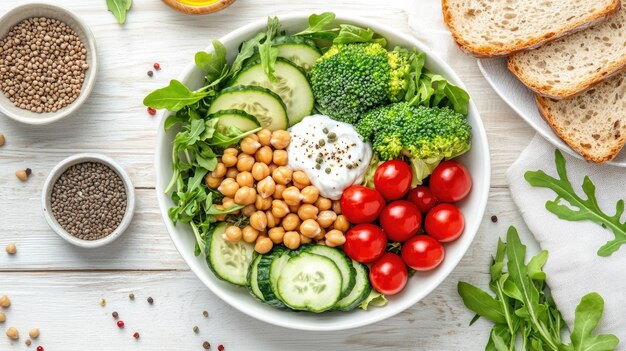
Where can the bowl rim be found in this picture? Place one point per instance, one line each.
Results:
(199, 10)
(54, 175)
(401, 305)
(90, 77)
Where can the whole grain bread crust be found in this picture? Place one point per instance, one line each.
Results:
(557, 94)
(530, 43)
(549, 118)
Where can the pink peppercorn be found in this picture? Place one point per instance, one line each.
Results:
(136, 335)
(220, 348)
(39, 348)
(157, 66)
(152, 111)
(120, 324)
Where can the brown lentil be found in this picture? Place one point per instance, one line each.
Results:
(205, 314)
(89, 200)
(28, 342)
(131, 296)
(42, 65)
(196, 329)
(206, 345)
(115, 315)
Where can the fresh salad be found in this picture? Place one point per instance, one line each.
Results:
(315, 169)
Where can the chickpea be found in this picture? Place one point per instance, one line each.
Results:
(307, 211)
(228, 202)
(253, 137)
(220, 217)
(249, 145)
(260, 171)
(323, 203)
(321, 235)
(248, 210)
(229, 160)
(291, 240)
(301, 178)
(264, 155)
(280, 157)
(3, 317)
(258, 221)
(212, 182)
(280, 139)
(294, 209)
(245, 196)
(231, 151)
(34, 333)
(310, 228)
(233, 234)
(341, 223)
(279, 208)
(310, 194)
(291, 222)
(265, 135)
(263, 245)
(276, 234)
(219, 171)
(292, 196)
(245, 162)
(11, 249)
(13, 334)
(232, 172)
(5, 301)
(249, 234)
(245, 179)
(263, 203)
(335, 238)
(326, 218)
(272, 167)
(278, 193)
(266, 187)
(228, 188)
(282, 175)
(271, 220)
(304, 240)
(337, 207)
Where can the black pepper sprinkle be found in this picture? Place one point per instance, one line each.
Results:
(196, 329)
(494, 219)
(150, 300)
(205, 314)
(206, 345)
(131, 296)
(28, 171)
(115, 315)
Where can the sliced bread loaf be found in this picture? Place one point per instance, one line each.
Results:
(572, 64)
(592, 123)
(489, 28)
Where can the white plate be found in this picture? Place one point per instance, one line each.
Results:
(522, 101)
(420, 285)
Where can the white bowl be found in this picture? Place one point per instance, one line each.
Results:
(420, 285)
(23, 12)
(54, 175)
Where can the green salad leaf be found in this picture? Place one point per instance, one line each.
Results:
(586, 319)
(119, 8)
(175, 96)
(570, 206)
(214, 65)
(353, 34)
(267, 51)
(374, 299)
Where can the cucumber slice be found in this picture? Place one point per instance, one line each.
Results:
(263, 104)
(343, 262)
(253, 286)
(310, 282)
(360, 291)
(239, 119)
(269, 270)
(300, 51)
(291, 85)
(229, 261)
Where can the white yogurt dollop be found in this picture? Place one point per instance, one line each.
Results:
(331, 153)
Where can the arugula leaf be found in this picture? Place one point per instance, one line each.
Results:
(119, 8)
(353, 34)
(481, 303)
(579, 209)
(586, 319)
(175, 96)
(318, 23)
(214, 65)
(267, 52)
(247, 50)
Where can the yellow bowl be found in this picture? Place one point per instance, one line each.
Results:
(198, 7)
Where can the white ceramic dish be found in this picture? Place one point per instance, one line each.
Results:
(522, 101)
(420, 285)
(58, 170)
(23, 12)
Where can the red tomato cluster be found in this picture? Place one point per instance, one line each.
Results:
(400, 213)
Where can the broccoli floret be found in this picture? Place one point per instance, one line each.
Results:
(423, 135)
(350, 79)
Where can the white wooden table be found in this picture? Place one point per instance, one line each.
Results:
(57, 287)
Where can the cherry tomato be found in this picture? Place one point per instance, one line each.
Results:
(422, 253)
(450, 182)
(444, 222)
(389, 274)
(361, 204)
(365, 243)
(400, 220)
(393, 179)
(423, 198)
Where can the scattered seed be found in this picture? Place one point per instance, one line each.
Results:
(220, 348)
(327, 170)
(325, 130)
(39, 348)
(494, 219)
(150, 300)
(103, 302)
(13, 334)
(322, 142)
(120, 324)
(28, 342)
(152, 111)
(318, 166)
(34, 333)
(131, 296)
(3, 317)
(205, 314)
(136, 335)
(332, 135)
(23, 174)
(206, 345)
(1, 139)
(5, 301)
(196, 329)
(150, 73)
(115, 315)
(11, 249)
(157, 66)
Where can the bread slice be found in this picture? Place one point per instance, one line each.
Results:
(592, 123)
(490, 28)
(570, 65)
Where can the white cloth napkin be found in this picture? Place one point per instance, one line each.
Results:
(574, 268)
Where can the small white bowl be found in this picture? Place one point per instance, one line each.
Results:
(54, 175)
(23, 12)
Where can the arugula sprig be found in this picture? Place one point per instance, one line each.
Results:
(119, 8)
(342, 34)
(523, 309)
(578, 208)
